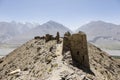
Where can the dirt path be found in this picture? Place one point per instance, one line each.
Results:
(59, 49)
(61, 67)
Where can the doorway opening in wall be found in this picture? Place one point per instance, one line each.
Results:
(83, 57)
(78, 52)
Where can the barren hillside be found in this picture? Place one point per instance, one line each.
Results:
(40, 60)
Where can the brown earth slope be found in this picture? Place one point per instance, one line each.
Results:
(38, 60)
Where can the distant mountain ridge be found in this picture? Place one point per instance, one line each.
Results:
(102, 33)
(10, 29)
(50, 27)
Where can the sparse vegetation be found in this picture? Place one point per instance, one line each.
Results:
(55, 65)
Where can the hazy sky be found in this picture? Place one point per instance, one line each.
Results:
(71, 13)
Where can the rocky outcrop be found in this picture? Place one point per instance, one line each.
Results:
(34, 59)
(41, 60)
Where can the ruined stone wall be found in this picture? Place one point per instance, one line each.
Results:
(66, 44)
(49, 37)
(77, 44)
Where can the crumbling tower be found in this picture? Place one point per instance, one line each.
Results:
(78, 47)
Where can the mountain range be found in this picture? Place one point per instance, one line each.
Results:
(100, 33)
(8, 30)
(105, 35)
(50, 27)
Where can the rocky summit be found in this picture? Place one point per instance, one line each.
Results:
(55, 59)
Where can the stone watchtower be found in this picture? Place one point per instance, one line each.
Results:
(78, 47)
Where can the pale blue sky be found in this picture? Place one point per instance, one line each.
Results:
(71, 13)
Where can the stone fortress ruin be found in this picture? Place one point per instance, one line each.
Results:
(75, 43)
(59, 58)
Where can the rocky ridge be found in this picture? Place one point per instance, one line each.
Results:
(40, 60)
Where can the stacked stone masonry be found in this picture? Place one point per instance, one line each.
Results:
(77, 44)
